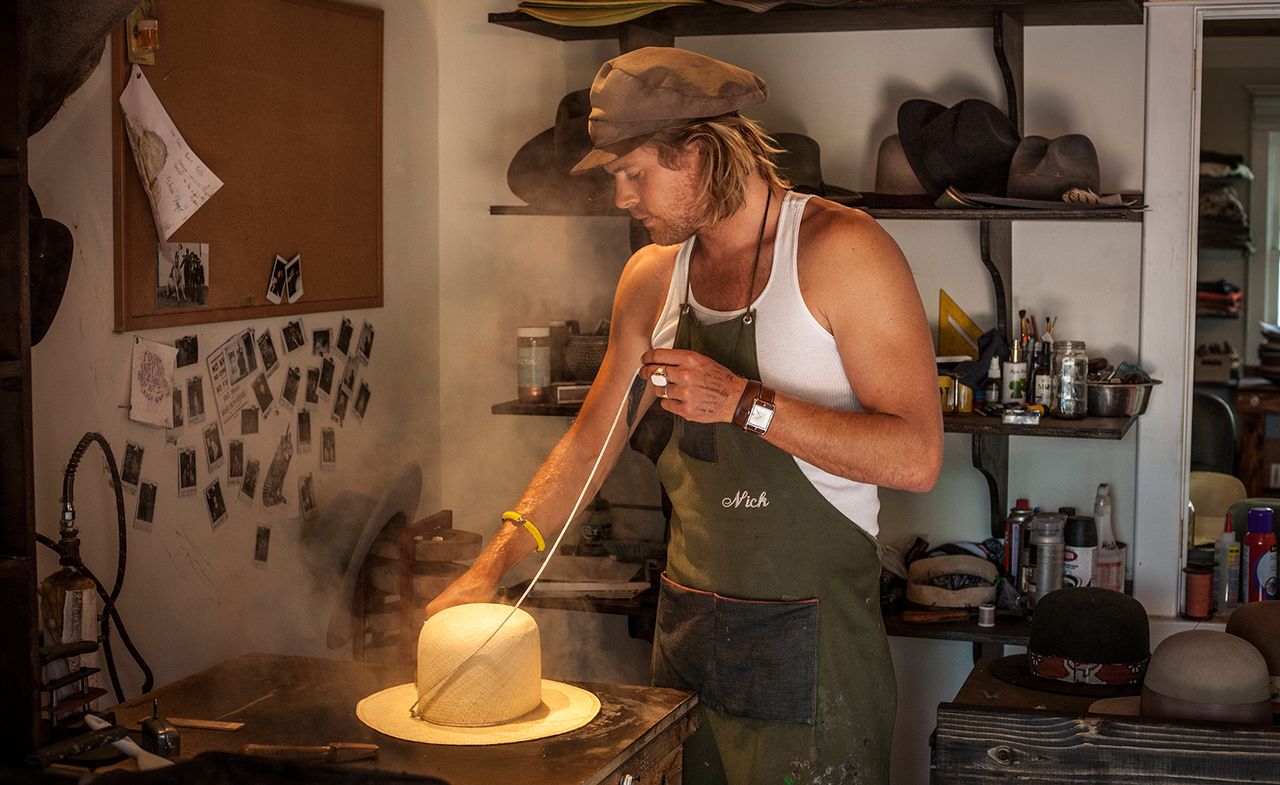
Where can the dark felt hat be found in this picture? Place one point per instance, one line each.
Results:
(1084, 641)
(1042, 170)
(51, 247)
(657, 87)
(539, 172)
(968, 146)
(800, 162)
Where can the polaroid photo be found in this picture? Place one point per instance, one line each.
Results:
(239, 358)
(267, 350)
(235, 461)
(362, 401)
(289, 393)
(246, 345)
(313, 386)
(304, 431)
(145, 516)
(344, 337)
(275, 284)
(365, 348)
(186, 471)
(215, 504)
(340, 406)
(261, 543)
(248, 421)
(294, 337)
(195, 400)
(307, 496)
(212, 447)
(326, 378)
(273, 482)
(131, 467)
(328, 449)
(293, 279)
(188, 347)
(249, 484)
(182, 275)
(171, 434)
(262, 392)
(321, 342)
(348, 382)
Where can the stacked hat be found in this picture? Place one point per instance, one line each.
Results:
(800, 162)
(539, 172)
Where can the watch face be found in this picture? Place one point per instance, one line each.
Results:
(759, 417)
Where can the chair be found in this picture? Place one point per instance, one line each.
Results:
(1215, 434)
(1212, 494)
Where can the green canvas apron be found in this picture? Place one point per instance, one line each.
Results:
(770, 605)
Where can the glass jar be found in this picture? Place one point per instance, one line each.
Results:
(1070, 369)
(533, 364)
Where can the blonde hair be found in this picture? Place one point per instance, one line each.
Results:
(730, 149)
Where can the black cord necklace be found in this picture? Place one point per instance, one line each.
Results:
(750, 315)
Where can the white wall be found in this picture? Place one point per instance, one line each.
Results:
(192, 597)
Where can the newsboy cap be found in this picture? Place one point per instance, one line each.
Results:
(657, 87)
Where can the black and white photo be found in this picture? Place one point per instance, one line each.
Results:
(275, 282)
(214, 502)
(289, 393)
(304, 431)
(328, 449)
(306, 496)
(293, 279)
(262, 392)
(326, 378)
(364, 350)
(195, 400)
(145, 516)
(294, 337)
(340, 406)
(212, 446)
(248, 421)
(321, 342)
(313, 385)
(177, 408)
(235, 461)
(249, 484)
(186, 471)
(273, 481)
(348, 382)
(362, 401)
(344, 337)
(267, 349)
(131, 467)
(182, 275)
(188, 347)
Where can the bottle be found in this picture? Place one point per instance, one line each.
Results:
(1015, 533)
(1013, 386)
(1070, 371)
(1080, 538)
(992, 393)
(1226, 577)
(1109, 562)
(533, 364)
(1042, 391)
(1047, 540)
(1258, 557)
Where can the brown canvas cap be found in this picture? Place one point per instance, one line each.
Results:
(658, 87)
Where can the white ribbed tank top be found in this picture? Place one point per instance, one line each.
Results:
(784, 325)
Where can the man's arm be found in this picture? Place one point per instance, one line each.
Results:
(858, 285)
(548, 500)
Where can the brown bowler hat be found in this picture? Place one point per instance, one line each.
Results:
(657, 87)
(1259, 624)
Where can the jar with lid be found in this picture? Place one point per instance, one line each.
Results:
(533, 364)
(1070, 369)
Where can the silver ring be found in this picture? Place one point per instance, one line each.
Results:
(659, 377)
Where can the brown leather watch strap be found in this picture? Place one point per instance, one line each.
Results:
(749, 395)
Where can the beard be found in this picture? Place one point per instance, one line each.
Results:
(679, 219)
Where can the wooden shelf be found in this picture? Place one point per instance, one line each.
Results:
(1087, 428)
(888, 213)
(864, 15)
(1008, 631)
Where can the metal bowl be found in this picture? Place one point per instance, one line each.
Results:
(1119, 400)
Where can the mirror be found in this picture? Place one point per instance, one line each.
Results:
(1235, 413)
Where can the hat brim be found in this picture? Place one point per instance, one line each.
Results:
(1125, 705)
(913, 116)
(986, 200)
(563, 708)
(1014, 669)
(536, 176)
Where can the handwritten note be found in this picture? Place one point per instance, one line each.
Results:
(176, 181)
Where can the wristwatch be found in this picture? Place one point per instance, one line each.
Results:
(755, 409)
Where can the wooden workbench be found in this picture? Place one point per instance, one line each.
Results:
(303, 700)
(999, 732)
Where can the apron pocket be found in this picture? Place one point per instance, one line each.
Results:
(698, 440)
(766, 659)
(682, 647)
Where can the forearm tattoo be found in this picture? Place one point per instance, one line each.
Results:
(633, 399)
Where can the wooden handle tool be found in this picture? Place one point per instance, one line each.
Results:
(934, 617)
(333, 752)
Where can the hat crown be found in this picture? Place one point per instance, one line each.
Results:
(1047, 168)
(470, 676)
(1208, 666)
(967, 146)
(1089, 624)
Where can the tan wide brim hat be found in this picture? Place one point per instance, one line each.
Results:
(563, 708)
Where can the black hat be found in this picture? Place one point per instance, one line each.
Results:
(1085, 641)
(967, 147)
(800, 162)
(539, 172)
(51, 247)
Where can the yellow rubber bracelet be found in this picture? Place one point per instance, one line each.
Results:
(520, 520)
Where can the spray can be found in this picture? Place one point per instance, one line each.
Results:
(1047, 541)
(1080, 539)
(1014, 535)
(991, 392)
(1258, 557)
(1226, 578)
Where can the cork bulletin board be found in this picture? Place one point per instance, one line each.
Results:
(282, 100)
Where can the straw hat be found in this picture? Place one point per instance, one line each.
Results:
(479, 682)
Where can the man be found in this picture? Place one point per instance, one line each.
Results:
(786, 334)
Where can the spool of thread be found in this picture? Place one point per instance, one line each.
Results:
(1199, 599)
(986, 615)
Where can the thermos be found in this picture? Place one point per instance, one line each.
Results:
(1259, 556)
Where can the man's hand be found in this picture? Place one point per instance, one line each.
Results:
(471, 586)
(698, 388)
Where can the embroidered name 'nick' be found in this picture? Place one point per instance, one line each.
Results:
(744, 499)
